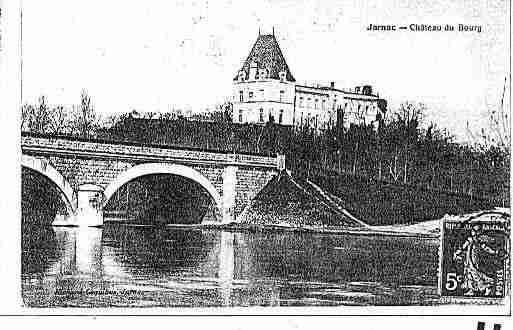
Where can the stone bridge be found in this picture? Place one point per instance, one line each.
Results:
(89, 172)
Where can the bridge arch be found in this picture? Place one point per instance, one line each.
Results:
(161, 168)
(44, 168)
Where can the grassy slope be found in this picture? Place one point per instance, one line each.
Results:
(379, 203)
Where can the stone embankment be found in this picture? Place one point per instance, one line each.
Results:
(292, 202)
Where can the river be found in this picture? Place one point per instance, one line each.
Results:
(138, 266)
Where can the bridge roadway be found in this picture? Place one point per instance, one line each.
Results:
(89, 172)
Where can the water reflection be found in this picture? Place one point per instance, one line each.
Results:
(81, 251)
(146, 266)
(225, 268)
(39, 248)
(156, 251)
(341, 258)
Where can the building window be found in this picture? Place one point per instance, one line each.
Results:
(270, 115)
(282, 93)
(308, 102)
(301, 101)
(240, 116)
(280, 118)
(301, 118)
(261, 118)
(262, 94)
(250, 95)
(323, 104)
(241, 96)
(316, 101)
(282, 76)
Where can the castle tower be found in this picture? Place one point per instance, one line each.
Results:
(263, 89)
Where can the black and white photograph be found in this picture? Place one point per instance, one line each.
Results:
(340, 155)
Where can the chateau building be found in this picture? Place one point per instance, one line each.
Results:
(264, 89)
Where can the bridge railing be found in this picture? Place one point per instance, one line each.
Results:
(97, 149)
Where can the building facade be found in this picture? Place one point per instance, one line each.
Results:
(264, 90)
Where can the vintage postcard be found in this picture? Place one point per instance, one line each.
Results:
(340, 157)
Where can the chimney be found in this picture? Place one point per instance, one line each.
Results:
(332, 84)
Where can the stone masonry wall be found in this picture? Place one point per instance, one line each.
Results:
(101, 172)
(80, 171)
(250, 181)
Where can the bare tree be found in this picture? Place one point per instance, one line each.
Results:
(409, 116)
(497, 133)
(86, 120)
(27, 113)
(59, 120)
(36, 119)
(500, 123)
(392, 168)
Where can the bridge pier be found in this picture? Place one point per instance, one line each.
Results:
(89, 211)
(89, 206)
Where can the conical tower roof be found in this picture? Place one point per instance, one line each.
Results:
(267, 54)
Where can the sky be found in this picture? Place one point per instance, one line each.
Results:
(158, 55)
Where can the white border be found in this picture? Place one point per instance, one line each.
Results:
(10, 281)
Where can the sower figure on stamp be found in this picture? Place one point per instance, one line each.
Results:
(475, 253)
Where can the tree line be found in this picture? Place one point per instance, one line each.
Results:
(402, 148)
(81, 120)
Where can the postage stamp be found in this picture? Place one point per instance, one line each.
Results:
(474, 256)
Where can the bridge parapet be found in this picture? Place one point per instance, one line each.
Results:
(63, 146)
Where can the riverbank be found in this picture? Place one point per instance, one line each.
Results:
(367, 231)
(427, 229)
(240, 227)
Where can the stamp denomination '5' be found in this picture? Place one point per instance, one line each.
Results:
(475, 256)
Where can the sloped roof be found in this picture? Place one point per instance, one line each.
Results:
(267, 53)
